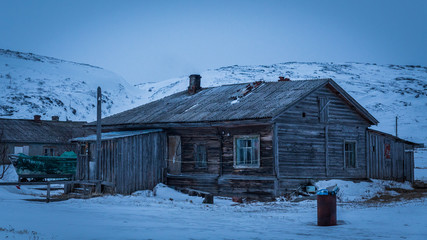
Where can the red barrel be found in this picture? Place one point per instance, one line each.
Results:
(326, 210)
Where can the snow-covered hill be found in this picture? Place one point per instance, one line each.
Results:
(32, 84)
(386, 91)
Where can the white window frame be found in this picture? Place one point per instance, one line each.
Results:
(257, 146)
(355, 153)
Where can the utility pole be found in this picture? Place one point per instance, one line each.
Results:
(396, 125)
(98, 132)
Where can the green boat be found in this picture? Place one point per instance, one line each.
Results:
(44, 165)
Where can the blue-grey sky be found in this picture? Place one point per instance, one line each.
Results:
(155, 40)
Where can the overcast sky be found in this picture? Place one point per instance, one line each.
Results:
(156, 40)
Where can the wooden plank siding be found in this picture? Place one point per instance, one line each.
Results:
(130, 163)
(400, 163)
(309, 148)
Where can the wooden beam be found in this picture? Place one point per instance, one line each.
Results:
(48, 192)
(98, 131)
(326, 150)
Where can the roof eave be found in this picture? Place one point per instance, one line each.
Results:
(262, 120)
(416, 145)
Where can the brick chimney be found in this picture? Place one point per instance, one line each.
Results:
(283, 79)
(194, 85)
(55, 118)
(37, 118)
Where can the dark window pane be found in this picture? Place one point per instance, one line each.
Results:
(200, 155)
(350, 154)
(248, 156)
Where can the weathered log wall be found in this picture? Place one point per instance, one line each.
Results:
(220, 176)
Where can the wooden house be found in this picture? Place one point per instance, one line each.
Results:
(263, 138)
(38, 137)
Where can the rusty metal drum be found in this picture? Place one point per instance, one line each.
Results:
(326, 210)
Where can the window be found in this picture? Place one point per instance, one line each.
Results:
(48, 151)
(350, 154)
(22, 149)
(323, 109)
(200, 156)
(83, 149)
(246, 151)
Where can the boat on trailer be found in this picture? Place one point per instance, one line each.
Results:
(40, 168)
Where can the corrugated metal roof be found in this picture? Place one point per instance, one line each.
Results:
(30, 131)
(114, 135)
(228, 102)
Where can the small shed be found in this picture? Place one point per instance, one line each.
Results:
(390, 157)
(130, 160)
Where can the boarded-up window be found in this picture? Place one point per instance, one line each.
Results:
(350, 154)
(323, 109)
(200, 156)
(246, 151)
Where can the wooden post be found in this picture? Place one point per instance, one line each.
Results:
(98, 187)
(98, 132)
(396, 125)
(67, 188)
(326, 150)
(208, 199)
(48, 192)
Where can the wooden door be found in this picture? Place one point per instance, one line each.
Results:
(174, 154)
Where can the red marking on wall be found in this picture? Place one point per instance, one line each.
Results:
(387, 151)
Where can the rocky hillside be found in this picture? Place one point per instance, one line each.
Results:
(32, 84)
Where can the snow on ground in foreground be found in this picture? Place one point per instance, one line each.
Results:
(10, 175)
(167, 214)
(356, 192)
(420, 171)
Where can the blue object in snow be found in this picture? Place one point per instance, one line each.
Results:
(335, 190)
(323, 192)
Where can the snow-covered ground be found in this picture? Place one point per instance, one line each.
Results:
(420, 171)
(167, 214)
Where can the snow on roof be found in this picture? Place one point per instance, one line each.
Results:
(114, 135)
(254, 101)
